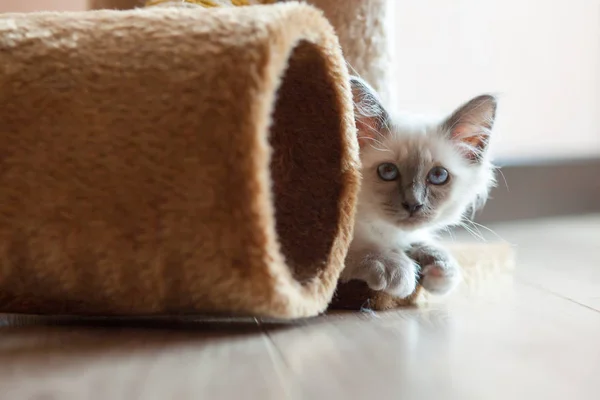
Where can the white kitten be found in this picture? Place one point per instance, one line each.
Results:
(418, 178)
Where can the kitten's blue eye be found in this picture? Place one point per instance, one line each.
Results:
(438, 176)
(388, 172)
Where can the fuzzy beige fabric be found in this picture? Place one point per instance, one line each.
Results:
(173, 161)
(129, 4)
(211, 3)
(364, 33)
(115, 4)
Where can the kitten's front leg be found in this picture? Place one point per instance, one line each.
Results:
(392, 272)
(439, 270)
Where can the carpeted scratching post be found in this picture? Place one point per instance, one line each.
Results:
(173, 161)
(364, 30)
(114, 4)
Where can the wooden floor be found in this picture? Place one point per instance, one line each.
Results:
(539, 339)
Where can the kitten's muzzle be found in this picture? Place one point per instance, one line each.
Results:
(412, 207)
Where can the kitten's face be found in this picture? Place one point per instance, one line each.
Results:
(423, 174)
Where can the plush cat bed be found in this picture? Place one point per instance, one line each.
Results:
(173, 161)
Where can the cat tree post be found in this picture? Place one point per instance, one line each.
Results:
(114, 4)
(366, 37)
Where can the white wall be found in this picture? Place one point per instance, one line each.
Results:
(541, 56)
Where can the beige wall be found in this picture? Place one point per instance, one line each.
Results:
(542, 57)
(41, 5)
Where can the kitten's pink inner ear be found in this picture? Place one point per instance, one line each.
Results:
(367, 130)
(368, 111)
(471, 125)
(472, 137)
(469, 134)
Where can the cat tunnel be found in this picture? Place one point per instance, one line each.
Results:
(169, 161)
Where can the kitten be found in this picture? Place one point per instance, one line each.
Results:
(418, 178)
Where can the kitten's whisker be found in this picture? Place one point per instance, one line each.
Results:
(475, 228)
(472, 232)
(374, 140)
(380, 149)
(488, 229)
(352, 70)
(381, 135)
(385, 124)
(503, 178)
(450, 233)
(385, 149)
(376, 135)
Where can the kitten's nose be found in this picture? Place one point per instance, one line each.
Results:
(412, 207)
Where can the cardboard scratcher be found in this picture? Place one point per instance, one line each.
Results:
(169, 161)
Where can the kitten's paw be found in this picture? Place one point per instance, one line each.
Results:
(395, 274)
(373, 273)
(440, 277)
(440, 273)
(401, 274)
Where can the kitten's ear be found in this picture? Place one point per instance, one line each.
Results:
(471, 125)
(371, 118)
